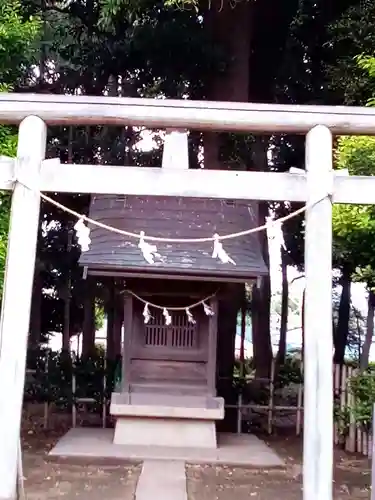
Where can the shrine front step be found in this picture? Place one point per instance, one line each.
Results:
(192, 425)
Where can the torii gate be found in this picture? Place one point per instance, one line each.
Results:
(35, 112)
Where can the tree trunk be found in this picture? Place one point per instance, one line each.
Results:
(364, 358)
(262, 304)
(88, 330)
(342, 330)
(110, 313)
(117, 326)
(36, 311)
(66, 324)
(67, 300)
(232, 84)
(281, 353)
(229, 307)
(261, 330)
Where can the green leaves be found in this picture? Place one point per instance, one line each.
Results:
(354, 225)
(367, 63)
(362, 388)
(357, 154)
(111, 8)
(8, 145)
(18, 41)
(18, 49)
(349, 75)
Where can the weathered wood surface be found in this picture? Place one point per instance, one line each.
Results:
(128, 333)
(167, 371)
(174, 217)
(168, 356)
(164, 290)
(212, 346)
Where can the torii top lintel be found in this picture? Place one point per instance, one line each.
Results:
(198, 115)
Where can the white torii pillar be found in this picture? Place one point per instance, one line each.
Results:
(318, 376)
(18, 283)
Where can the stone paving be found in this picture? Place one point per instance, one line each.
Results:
(236, 450)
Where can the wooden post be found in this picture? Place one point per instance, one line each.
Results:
(242, 363)
(18, 283)
(271, 402)
(243, 337)
(336, 393)
(46, 403)
(212, 347)
(67, 299)
(110, 310)
(88, 330)
(128, 334)
(350, 444)
(299, 409)
(318, 414)
(239, 413)
(117, 325)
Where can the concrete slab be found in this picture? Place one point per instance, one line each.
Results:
(162, 480)
(245, 450)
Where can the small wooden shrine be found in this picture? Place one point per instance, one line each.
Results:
(168, 391)
(171, 300)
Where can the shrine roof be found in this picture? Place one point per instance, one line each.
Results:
(172, 217)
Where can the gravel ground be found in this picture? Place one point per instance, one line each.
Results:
(352, 478)
(47, 480)
(51, 481)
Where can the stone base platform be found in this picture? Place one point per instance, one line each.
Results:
(135, 431)
(166, 420)
(93, 444)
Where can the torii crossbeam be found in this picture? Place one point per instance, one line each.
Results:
(30, 169)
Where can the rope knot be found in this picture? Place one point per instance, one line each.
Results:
(83, 234)
(190, 317)
(149, 251)
(167, 317)
(220, 253)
